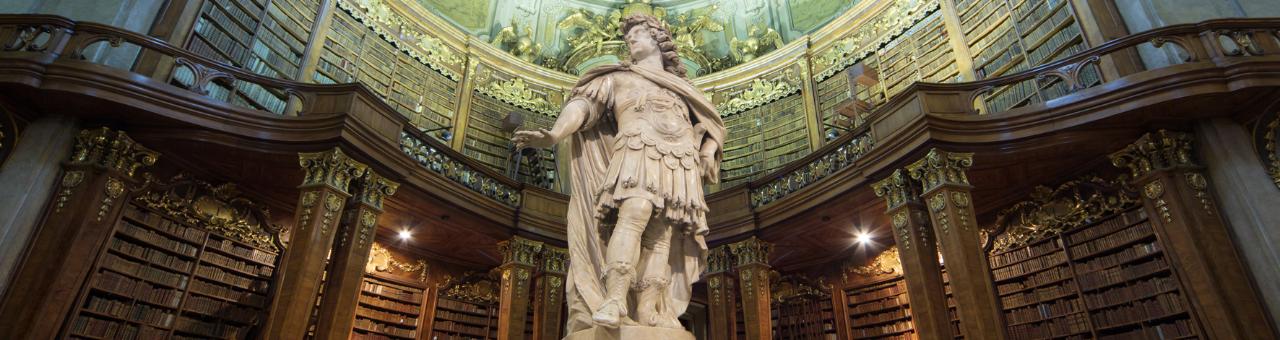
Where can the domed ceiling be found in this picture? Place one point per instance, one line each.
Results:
(574, 35)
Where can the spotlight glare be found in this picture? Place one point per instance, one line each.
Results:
(864, 238)
(405, 234)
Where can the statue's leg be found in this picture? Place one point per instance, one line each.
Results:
(655, 273)
(621, 255)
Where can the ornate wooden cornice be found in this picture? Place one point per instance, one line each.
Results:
(1050, 211)
(1160, 150)
(111, 150)
(330, 168)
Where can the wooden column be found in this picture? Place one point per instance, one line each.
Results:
(720, 294)
(1176, 195)
(320, 207)
(350, 255)
(753, 277)
(919, 255)
(945, 190)
(548, 300)
(95, 183)
(840, 312)
(519, 258)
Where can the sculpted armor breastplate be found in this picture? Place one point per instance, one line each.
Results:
(657, 117)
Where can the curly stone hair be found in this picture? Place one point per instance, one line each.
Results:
(670, 59)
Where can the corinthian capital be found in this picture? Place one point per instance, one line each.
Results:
(1156, 151)
(374, 188)
(896, 189)
(751, 251)
(939, 168)
(330, 168)
(520, 250)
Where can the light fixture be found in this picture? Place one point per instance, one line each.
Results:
(405, 234)
(864, 237)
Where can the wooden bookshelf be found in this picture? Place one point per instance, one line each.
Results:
(880, 310)
(956, 330)
(803, 318)
(389, 309)
(160, 276)
(1009, 36)
(489, 144)
(763, 139)
(353, 52)
(460, 319)
(267, 37)
(1107, 280)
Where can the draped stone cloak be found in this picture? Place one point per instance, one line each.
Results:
(591, 147)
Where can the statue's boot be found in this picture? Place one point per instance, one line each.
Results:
(651, 300)
(617, 281)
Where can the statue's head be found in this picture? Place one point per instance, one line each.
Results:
(646, 36)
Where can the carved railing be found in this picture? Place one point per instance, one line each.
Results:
(444, 161)
(45, 39)
(1202, 42)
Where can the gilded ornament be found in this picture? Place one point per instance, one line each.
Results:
(688, 30)
(70, 181)
(760, 39)
(367, 223)
(515, 92)
(374, 188)
(868, 37)
(220, 209)
(900, 225)
(888, 262)
(439, 162)
(835, 160)
(961, 201)
(381, 260)
(472, 287)
(111, 150)
(421, 43)
(517, 39)
(937, 204)
(1200, 185)
(759, 93)
(751, 251)
(519, 250)
(1266, 146)
(896, 189)
(1155, 191)
(330, 168)
(939, 168)
(113, 190)
(1160, 150)
(1049, 212)
(796, 288)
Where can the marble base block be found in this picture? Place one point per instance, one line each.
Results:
(630, 333)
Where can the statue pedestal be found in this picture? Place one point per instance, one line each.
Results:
(630, 333)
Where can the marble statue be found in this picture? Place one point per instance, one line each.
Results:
(644, 142)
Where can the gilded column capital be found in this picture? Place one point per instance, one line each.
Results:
(896, 189)
(555, 259)
(111, 150)
(330, 168)
(1161, 150)
(751, 251)
(719, 260)
(939, 168)
(519, 250)
(374, 188)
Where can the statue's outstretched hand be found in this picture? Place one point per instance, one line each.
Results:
(533, 139)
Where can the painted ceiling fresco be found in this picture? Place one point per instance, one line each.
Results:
(574, 35)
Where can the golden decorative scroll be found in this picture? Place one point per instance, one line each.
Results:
(1051, 211)
(218, 208)
(381, 261)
